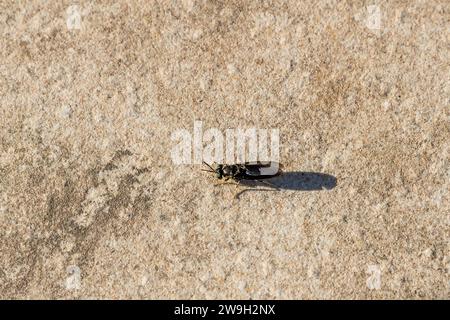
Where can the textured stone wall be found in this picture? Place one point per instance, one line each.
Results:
(92, 206)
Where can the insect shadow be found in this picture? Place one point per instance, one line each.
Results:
(299, 181)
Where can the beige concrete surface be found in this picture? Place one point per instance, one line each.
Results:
(92, 206)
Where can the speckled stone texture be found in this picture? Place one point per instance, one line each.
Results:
(91, 205)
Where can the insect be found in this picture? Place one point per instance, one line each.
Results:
(256, 171)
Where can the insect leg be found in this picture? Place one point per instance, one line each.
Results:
(225, 182)
(238, 195)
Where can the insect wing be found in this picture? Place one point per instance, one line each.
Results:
(261, 170)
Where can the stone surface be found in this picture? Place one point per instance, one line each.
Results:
(91, 205)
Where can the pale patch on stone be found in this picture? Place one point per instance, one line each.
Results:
(112, 244)
(205, 84)
(188, 5)
(144, 280)
(196, 34)
(296, 85)
(428, 252)
(373, 282)
(67, 245)
(323, 246)
(3, 202)
(66, 111)
(95, 201)
(231, 69)
(371, 17)
(241, 285)
(262, 21)
(329, 159)
(204, 277)
(373, 21)
(73, 20)
(99, 117)
(131, 96)
(125, 213)
(437, 197)
(73, 280)
(160, 175)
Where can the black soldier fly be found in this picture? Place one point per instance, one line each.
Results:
(254, 171)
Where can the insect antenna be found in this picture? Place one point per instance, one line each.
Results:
(209, 166)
